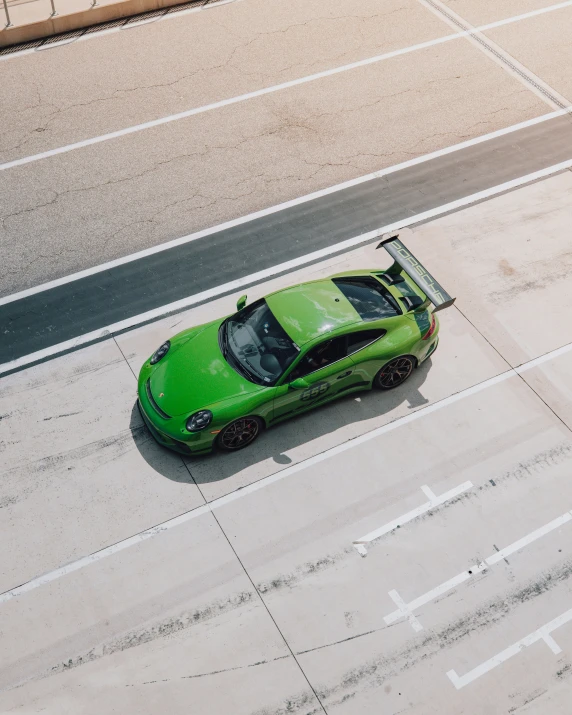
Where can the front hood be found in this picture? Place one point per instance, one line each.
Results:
(196, 375)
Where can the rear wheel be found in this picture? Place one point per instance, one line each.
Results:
(240, 433)
(394, 373)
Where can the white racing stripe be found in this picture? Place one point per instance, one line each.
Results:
(275, 270)
(272, 479)
(275, 88)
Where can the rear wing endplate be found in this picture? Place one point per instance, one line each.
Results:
(404, 260)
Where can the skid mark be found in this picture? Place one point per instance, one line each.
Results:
(161, 629)
(53, 381)
(57, 417)
(118, 444)
(28, 477)
(535, 465)
(527, 699)
(376, 671)
(564, 672)
(309, 568)
(211, 672)
(303, 703)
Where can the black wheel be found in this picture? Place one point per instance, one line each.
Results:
(240, 433)
(394, 373)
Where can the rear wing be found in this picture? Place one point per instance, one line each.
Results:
(404, 260)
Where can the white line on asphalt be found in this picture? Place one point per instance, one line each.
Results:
(171, 14)
(406, 610)
(282, 207)
(542, 634)
(275, 88)
(413, 622)
(434, 501)
(498, 55)
(275, 270)
(272, 479)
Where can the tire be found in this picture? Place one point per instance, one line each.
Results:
(394, 373)
(239, 434)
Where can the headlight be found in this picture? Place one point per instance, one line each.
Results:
(199, 421)
(160, 352)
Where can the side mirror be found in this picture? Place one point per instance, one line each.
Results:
(241, 302)
(299, 384)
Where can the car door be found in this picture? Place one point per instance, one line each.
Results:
(326, 370)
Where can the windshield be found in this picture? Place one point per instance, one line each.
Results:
(256, 345)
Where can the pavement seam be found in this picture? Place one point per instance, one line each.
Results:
(515, 370)
(498, 54)
(260, 483)
(272, 618)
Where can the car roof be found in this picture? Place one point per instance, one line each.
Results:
(309, 310)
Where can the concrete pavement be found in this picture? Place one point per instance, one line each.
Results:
(264, 604)
(399, 552)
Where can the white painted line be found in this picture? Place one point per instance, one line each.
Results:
(270, 272)
(497, 54)
(529, 539)
(283, 206)
(406, 610)
(542, 634)
(98, 555)
(110, 30)
(262, 483)
(274, 88)
(434, 501)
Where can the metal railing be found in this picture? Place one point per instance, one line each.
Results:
(10, 4)
(89, 4)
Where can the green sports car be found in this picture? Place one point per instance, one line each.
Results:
(221, 384)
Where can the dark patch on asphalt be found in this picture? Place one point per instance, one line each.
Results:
(161, 629)
(564, 672)
(5, 417)
(547, 272)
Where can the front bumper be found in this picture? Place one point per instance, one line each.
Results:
(202, 444)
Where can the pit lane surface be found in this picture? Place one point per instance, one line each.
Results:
(263, 603)
(404, 552)
(39, 321)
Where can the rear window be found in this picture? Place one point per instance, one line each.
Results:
(370, 299)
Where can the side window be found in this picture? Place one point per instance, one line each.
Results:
(320, 356)
(357, 341)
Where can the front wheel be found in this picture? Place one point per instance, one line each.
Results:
(240, 433)
(394, 373)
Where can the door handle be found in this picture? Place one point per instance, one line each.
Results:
(344, 374)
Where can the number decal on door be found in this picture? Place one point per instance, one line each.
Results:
(317, 390)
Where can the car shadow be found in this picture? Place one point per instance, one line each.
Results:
(274, 443)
